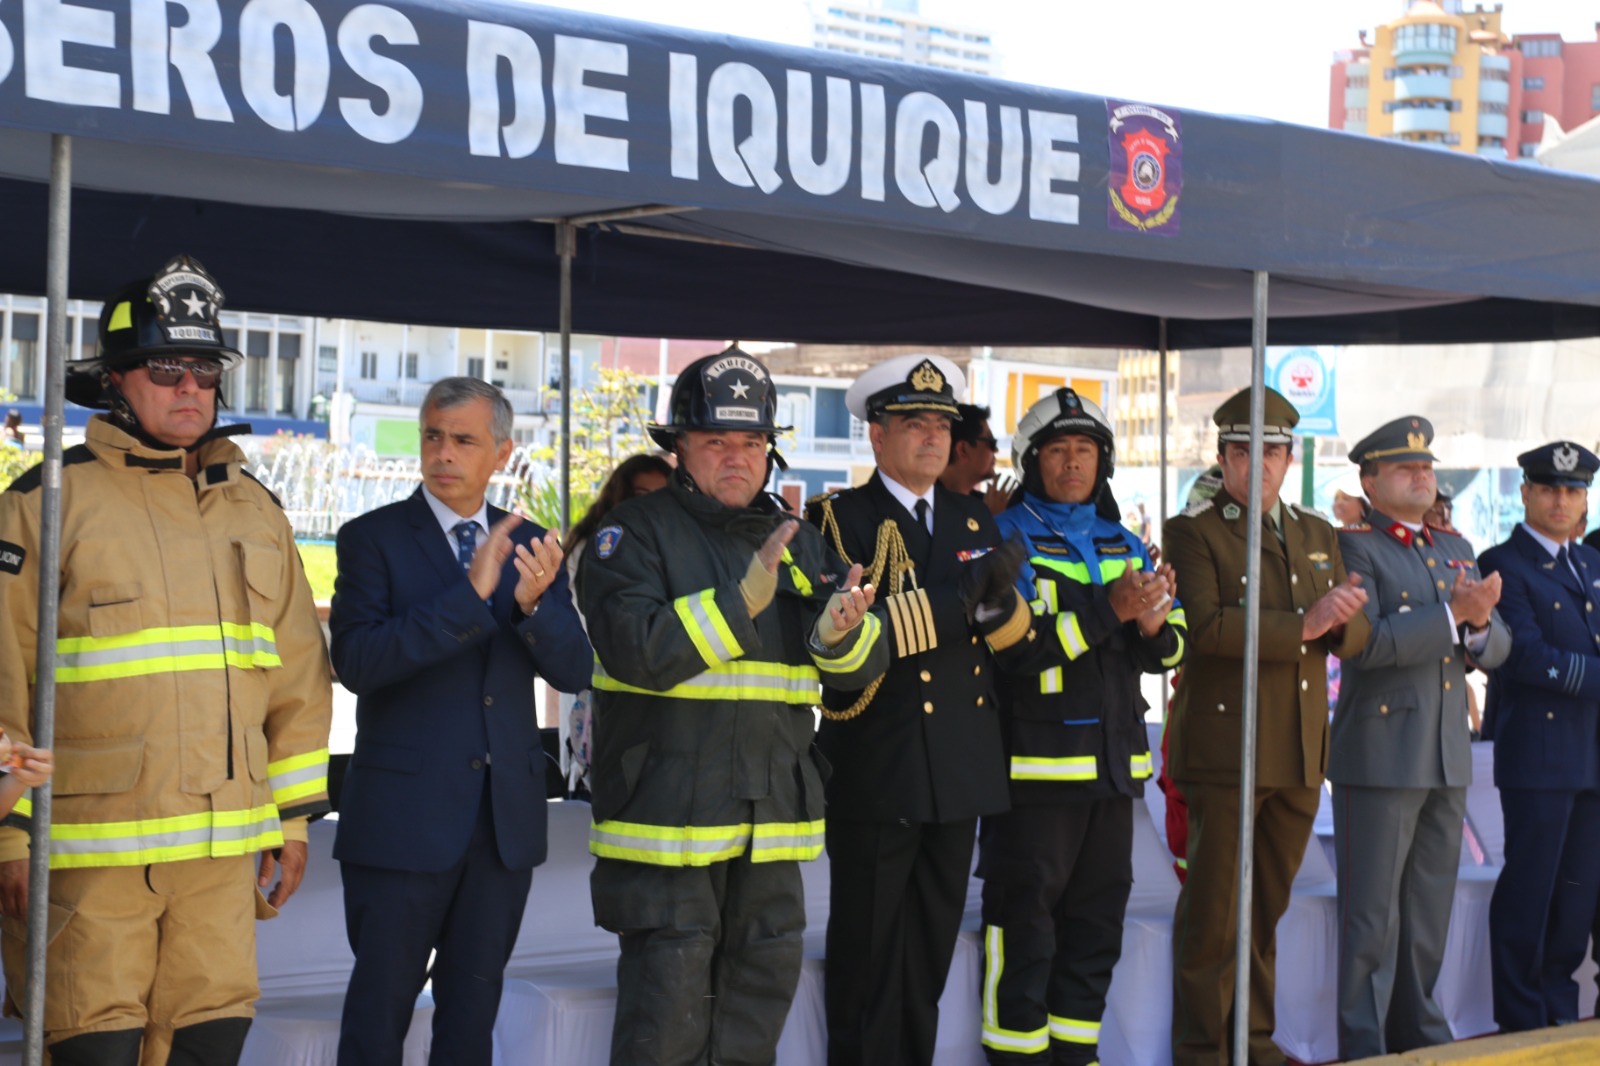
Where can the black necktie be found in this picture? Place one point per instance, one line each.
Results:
(922, 515)
(1565, 569)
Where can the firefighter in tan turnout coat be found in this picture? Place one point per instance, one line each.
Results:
(193, 699)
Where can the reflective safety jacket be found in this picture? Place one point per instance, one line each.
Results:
(703, 719)
(1073, 710)
(192, 690)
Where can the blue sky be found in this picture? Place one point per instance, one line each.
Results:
(1250, 57)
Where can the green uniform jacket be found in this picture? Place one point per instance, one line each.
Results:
(1206, 547)
(704, 717)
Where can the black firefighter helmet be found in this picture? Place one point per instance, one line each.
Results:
(176, 312)
(728, 390)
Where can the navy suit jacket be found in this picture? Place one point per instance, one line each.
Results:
(1546, 695)
(442, 679)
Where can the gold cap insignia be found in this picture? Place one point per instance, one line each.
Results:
(926, 378)
(972, 524)
(1416, 442)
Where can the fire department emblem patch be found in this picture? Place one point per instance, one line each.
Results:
(1146, 169)
(605, 541)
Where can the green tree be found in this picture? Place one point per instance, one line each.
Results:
(608, 425)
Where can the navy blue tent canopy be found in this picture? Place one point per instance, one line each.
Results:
(406, 162)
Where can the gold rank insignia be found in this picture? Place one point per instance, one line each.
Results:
(1416, 442)
(972, 524)
(926, 377)
(1318, 557)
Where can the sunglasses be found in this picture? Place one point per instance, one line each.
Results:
(989, 442)
(169, 372)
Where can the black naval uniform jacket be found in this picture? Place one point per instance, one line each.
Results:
(928, 747)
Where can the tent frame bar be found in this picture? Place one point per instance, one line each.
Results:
(1252, 669)
(49, 564)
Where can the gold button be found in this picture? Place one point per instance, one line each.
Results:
(974, 640)
(1299, 610)
(1404, 595)
(1588, 607)
(1447, 658)
(1558, 605)
(1431, 562)
(1447, 686)
(1244, 580)
(1304, 685)
(980, 701)
(926, 676)
(1032, 635)
(927, 708)
(976, 670)
(1439, 583)
(1383, 709)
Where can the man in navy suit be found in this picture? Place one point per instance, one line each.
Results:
(444, 610)
(1547, 744)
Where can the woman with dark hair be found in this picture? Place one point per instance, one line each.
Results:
(636, 475)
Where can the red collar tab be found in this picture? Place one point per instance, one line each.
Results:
(1401, 533)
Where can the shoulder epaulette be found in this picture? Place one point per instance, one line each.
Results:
(29, 479)
(1198, 508)
(264, 489)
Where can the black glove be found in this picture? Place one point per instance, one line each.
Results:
(990, 580)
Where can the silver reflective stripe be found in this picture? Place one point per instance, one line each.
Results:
(137, 652)
(708, 629)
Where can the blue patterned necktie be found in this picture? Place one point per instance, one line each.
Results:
(466, 542)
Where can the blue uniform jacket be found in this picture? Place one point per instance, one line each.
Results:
(442, 679)
(1546, 695)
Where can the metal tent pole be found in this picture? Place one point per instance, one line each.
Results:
(566, 247)
(1252, 646)
(49, 564)
(1162, 393)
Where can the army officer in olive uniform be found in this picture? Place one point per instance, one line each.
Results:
(1400, 760)
(1309, 609)
(917, 757)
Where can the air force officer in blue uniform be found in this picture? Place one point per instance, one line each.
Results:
(444, 611)
(1547, 744)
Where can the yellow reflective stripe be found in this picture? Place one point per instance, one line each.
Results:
(1036, 768)
(744, 679)
(1078, 572)
(1050, 681)
(787, 841)
(1177, 656)
(685, 845)
(1071, 635)
(24, 806)
(798, 576)
(205, 834)
(871, 630)
(993, 1034)
(1111, 569)
(695, 612)
(1074, 1030)
(298, 776)
(166, 649)
(1140, 766)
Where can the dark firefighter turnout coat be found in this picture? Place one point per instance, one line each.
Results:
(1072, 707)
(704, 716)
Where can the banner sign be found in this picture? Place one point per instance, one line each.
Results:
(1305, 377)
(513, 94)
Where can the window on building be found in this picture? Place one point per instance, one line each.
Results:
(1594, 98)
(1358, 81)
(21, 368)
(474, 366)
(327, 359)
(369, 366)
(408, 366)
(1541, 47)
(1531, 85)
(1532, 118)
(256, 344)
(1425, 37)
(1526, 151)
(288, 373)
